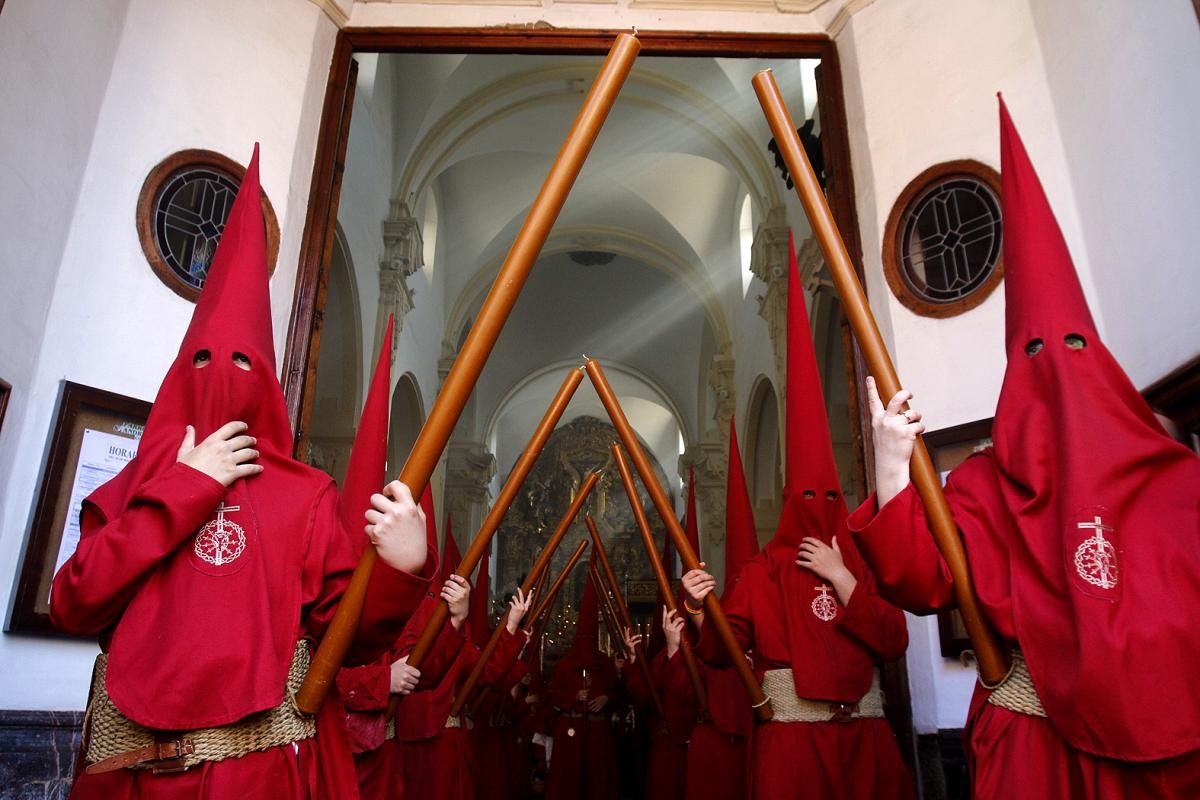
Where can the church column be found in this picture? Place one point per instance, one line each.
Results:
(402, 256)
(470, 467)
(709, 458)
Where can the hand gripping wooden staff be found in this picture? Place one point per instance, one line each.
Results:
(544, 603)
(993, 658)
(762, 703)
(541, 564)
(609, 582)
(660, 573)
(474, 353)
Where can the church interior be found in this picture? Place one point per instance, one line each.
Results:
(403, 144)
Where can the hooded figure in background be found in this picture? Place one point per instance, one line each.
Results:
(808, 608)
(1080, 528)
(583, 756)
(209, 570)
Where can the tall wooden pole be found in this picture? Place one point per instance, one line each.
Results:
(622, 608)
(606, 609)
(495, 516)
(660, 572)
(464, 373)
(544, 603)
(993, 658)
(539, 566)
(608, 398)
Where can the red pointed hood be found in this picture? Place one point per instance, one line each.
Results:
(812, 494)
(233, 315)
(741, 534)
(481, 603)
(1102, 504)
(368, 455)
(585, 650)
(728, 702)
(450, 555)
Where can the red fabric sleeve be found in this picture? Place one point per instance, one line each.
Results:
(707, 645)
(896, 545)
(502, 658)
(563, 691)
(365, 688)
(634, 682)
(114, 556)
(445, 648)
(879, 625)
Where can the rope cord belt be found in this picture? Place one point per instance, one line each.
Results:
(1016, 692)
(779, 685)
(114, 741)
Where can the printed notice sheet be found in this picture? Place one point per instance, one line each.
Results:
(101, 456)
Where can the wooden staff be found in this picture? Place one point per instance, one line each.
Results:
(606, 609)
(660, 573)
(539, 566)
(544, 603)
(762, 703)
(622, 609)
(993, 657)
(495, 516)
(464, 373)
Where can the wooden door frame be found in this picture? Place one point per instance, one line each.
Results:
(304, 332)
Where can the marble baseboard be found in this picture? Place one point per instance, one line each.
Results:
(37, 753)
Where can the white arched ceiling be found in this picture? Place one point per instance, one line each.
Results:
(649, 409)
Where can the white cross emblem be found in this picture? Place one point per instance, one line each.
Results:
(823, 605)
(220, 541)
(1096, 558)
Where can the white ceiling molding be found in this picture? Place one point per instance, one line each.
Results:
(431, 154)
(564, 239)
(842, 18)
(759, 6)
(336, 10)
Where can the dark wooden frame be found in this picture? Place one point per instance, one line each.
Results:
(949, 447)
(892, 245)
(5, 386)
(304, 331)
(152, 186)
(76, 404)
(1176, 395)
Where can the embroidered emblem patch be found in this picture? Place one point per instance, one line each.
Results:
(220, 541)
(1096, 558)
(824, 607)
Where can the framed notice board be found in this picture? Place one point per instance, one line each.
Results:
(95, 434)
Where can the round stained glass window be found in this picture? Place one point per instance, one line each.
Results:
(942, 247)
(182, 211)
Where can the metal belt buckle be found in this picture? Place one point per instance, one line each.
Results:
(842, 712)
(171, 756)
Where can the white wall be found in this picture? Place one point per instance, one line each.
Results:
(1126, 90)
(111, 323)
(56, 72)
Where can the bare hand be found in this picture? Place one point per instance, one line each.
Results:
(517, 608)
(404, 677)
(457, 594)
(673, 629)
(698, 584)
(396, 526)
(224, 456)
(895, 434)
(581, 695)
(600, 702)
(827, 562)
(632, 640)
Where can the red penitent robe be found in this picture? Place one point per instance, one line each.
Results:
(139, 567)
(583, 758)
(666, 776)
(435, 761)
(365, 694)
(1004, 749)
(836, 760)
(719, 746)
(528, 709)
(493, 738)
